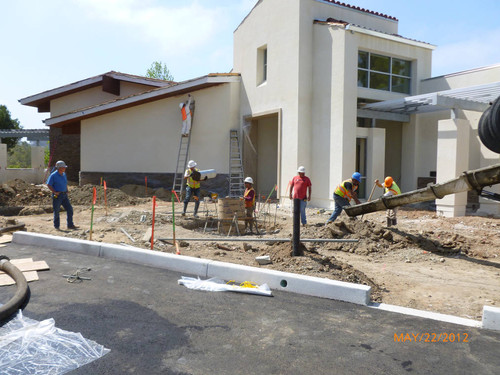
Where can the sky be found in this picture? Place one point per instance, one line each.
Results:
(51, 43)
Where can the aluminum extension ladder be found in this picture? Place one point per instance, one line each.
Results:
(182, 160)
(236, 184)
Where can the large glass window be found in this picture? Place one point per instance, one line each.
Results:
(383, 72)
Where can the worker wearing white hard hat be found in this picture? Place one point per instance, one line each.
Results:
(193, 186)
(249, 197)
(301, 188)
(186, 113)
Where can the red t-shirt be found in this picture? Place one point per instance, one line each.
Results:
(299, 186)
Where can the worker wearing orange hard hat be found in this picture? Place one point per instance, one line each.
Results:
(391, 188)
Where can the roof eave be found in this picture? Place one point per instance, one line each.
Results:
(152, 95)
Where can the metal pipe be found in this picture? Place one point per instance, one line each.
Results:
(15, 303)
(470, 180)
(249, 239)
(296, 227)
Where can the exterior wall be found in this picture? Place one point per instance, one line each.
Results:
(33, 175)
(145, 138)
(90, 97)
(65, 147)
(312, 78)
(322, 10)
(265, 26)
(478, 156)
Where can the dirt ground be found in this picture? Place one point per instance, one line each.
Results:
(446, 265)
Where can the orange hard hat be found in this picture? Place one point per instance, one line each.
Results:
(388, 181)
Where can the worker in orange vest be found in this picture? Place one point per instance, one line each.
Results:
(249, 197)
(186, 116)
(391, 188)
(344, 193)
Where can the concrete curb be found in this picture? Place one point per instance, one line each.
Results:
(491, 317)
(313, 286)
(427, 314)
(289, 282)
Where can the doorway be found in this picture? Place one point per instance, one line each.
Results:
(261, 153)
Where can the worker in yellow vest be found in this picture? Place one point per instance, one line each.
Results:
(186, 116)
(391, 188)
(193, 176)
(343, 194)
(249, 197)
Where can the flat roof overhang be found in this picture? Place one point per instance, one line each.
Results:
(472, 98)
(144, 97)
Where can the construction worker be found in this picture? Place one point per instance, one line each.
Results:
(186, 116)
(391, 188)
(299, 188)
(344, 193)
(193, 177)
(249, 197)
(58, 185)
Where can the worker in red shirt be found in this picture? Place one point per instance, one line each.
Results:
(299, 188)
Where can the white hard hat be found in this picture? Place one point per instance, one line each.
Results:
(181, 105)
(249, 180)
(192, 164)
(301, 169)
(61, 164)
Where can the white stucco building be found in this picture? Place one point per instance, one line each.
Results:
(317, 83)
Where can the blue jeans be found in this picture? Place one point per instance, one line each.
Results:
(189, 193)
(62, 200)
(340, 203)
(303, 205)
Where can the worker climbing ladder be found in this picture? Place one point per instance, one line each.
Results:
(236, 184)
(182, 155)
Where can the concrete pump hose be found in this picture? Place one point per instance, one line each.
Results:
(15, 303)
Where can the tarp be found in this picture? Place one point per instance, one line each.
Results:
(218, 285)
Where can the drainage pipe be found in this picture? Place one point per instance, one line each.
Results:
(249, 239)
(15, 303)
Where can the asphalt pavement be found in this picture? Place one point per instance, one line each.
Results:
(152, 325)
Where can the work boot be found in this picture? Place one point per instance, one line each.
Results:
(389, 222)
(394, 221)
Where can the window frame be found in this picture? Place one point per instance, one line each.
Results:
(366, 57)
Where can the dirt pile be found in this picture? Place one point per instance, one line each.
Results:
(374, 238)
(19, 193)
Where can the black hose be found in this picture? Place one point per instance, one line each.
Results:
(16, 302)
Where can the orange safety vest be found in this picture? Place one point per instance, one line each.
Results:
(394, 188)
(251, 203)
(342, 191)
(192, 183)
(184, 113)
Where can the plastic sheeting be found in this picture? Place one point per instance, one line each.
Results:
(218, 285)
(31, 347)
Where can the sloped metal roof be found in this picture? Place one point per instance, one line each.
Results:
(472, 98)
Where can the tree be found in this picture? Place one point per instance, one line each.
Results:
(159, 70)
(20, 156)
(6, 122)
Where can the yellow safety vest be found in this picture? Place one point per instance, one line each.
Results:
(247, 203)
(394, 188)
(190, 182)
(342, 191)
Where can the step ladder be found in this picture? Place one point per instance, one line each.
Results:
(236, 184)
